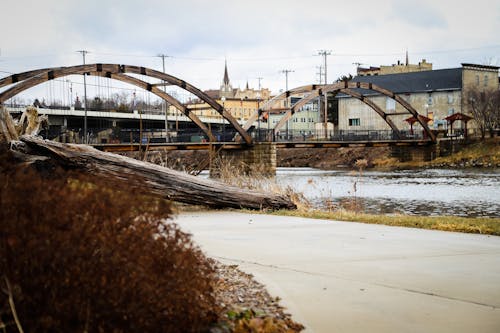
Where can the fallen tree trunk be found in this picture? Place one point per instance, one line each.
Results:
(174, 185)
(164, 182)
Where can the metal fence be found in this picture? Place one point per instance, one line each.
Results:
(265, 135)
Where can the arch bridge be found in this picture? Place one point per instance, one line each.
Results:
(352, 89)
(23, 81)
(26, 80)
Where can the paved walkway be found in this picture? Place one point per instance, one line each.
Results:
(352, 277)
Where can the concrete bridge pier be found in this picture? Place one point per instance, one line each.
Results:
(429, 152)
(416, 154)
(258, 159)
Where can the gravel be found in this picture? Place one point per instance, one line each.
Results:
(240, 296)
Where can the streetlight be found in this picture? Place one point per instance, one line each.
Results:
(164, 105)
(223, 99)
(286, 71)
(84, 53)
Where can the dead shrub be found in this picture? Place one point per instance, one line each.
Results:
(86, 255)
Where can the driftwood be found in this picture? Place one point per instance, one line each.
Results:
(165, 182)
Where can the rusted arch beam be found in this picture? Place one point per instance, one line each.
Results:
(195, 91)
(15, 78)
(160, 93)
(336, 87)
(36, 78)
(375, 107)
(316, 90)
(289, 113)
(388, 93)
(269, 104)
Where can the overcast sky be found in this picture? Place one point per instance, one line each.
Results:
(258, 38)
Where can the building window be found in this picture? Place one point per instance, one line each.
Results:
(477, 79)
(390, 104)
(429, 99)
(354, 122)
(486, 80)
(450, 98)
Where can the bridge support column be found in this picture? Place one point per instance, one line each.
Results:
(416, 154)
(259, 159)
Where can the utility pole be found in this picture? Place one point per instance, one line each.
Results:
(325, 54)
(85, 135)
(320, 73)
(164, 104)
(260, 79)
(286, 71)
(358, 64)
(258, 106)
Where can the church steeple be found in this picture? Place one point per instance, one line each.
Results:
(226, 90)
(226, 76)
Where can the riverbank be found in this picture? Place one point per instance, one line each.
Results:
(473, 225)
(483, 154)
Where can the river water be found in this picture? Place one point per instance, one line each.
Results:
(470, 193)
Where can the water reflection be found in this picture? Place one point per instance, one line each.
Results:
(469, 193)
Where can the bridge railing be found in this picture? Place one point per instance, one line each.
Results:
(266, 135)
(152, 135)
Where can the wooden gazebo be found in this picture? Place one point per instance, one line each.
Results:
(458, 116)
(412, 120)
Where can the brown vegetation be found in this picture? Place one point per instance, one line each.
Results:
(484, 106)
(81, 254)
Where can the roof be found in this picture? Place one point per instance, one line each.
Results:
(424, 81)
(226, 76)
(458, 116)
(423, 118)
(213, 93)
(494, 68)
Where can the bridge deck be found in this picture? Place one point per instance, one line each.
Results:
(112, 147)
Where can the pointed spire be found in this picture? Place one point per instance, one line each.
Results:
(226, 76)
(247, 85)
(407, 60)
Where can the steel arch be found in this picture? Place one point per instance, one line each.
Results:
(30, 79)
(345, 87)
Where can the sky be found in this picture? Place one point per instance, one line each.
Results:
(258, 39)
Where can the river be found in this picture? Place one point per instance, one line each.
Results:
(469, 193)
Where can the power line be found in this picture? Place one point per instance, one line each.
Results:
(325, 53)
(164, 104)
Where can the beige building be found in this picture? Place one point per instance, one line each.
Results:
(241, 103)
(435, 94)
(396, 68)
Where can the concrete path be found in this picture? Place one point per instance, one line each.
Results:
(352, 277)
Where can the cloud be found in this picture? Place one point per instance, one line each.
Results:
(421, 14)
(259, 38)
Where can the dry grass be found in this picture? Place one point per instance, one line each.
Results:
(484, 152)
(489, 226)
(350, 210)
(487, 151)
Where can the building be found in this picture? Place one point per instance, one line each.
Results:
(435, 94)
(399, 67)
(241, 103)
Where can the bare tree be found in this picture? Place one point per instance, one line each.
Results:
(484, 108)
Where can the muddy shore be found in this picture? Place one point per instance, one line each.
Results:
(482, 154)
(324, 158)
